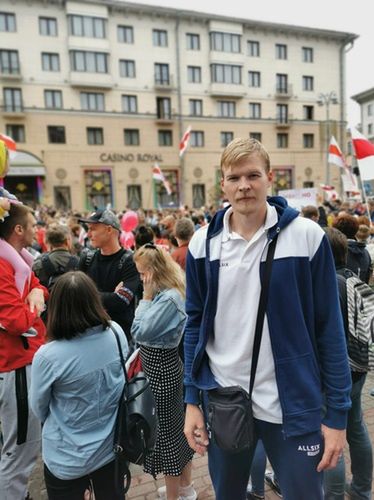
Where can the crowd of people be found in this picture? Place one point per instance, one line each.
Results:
(184, 289)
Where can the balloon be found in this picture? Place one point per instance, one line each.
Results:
(129, 221)
(127, 239)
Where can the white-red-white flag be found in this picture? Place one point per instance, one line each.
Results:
(330, 191)
(10, 144)
(335, 155)
(184, 141)
(159, 176)
(364, 152)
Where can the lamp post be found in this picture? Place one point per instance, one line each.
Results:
(326, 100)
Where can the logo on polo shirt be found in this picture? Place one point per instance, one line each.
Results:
(224, 264)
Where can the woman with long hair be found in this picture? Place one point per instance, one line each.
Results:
(158, 327)
(77, 381)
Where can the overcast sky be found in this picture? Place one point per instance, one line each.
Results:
(353, 17)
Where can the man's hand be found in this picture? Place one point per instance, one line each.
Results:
(195, 430)
(35, 299)
(118, 287)
(334, 446)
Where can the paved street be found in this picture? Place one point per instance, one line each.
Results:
(144, 487)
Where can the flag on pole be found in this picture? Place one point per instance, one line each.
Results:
(10, 144)
(184, 141)
(335, 155)
(364, 152)
(330, 191)
(159, 176)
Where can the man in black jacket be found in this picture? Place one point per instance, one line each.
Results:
(111, 267)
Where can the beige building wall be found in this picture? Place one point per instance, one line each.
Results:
(66, 164)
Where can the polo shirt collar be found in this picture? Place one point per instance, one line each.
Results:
(270, 221)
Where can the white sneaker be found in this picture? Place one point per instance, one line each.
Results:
(185, 492)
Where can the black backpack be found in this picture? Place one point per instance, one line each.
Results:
(55, 271)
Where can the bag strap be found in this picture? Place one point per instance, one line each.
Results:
(120, 352)
(261, 310)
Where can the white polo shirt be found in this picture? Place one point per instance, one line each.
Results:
(230, 349)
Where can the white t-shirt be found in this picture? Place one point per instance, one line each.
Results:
(230, 349)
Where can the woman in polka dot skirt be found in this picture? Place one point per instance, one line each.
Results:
(158, 327)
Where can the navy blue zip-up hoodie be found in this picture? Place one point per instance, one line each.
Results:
(303, 314)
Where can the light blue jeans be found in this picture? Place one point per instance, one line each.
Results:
(361, 454)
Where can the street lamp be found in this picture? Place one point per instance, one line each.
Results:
(326, 100)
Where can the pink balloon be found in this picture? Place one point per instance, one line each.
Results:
(127, 239)
(129, 221)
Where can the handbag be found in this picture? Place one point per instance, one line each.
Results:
(136, 425)
(230, 418)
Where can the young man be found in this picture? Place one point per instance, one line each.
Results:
(302, 365)
(22, 332)
(111, 267)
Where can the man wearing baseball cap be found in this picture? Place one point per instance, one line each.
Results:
(111, 267)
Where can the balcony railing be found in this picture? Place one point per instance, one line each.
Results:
(284, 91)
(163, 82)
(283, 121)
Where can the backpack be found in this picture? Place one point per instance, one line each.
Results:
(54, 271)
(136, 425)
(360, 342)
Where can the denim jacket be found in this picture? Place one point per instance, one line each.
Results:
(160, 322)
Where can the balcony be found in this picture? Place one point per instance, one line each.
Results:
(283, 91)
(92, 80)
(230, 90)
(165, 83)
(283, 121)
(11, 73)
(13, 110)
(164, 118)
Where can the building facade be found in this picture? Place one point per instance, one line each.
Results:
(366, 101)
(94, 93)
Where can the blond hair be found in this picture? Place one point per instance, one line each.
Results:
(167, 273)
(239, 150)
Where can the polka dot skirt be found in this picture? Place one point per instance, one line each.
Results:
(164, 369)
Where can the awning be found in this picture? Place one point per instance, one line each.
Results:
(26, 171)
(26, 164)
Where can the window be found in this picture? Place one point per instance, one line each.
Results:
(16, 132)
(131, 136)
(254, 110)
(194, 74)
(197, 139)
(48, 26)
(226, 138)
(256, 135)
(280, 51)
(308, 141)
(95, 136)
(56, 134)
(134, 196)
(12, 99)
(308, 112)
(198, 195)
(53, 99)
(90, 62)
(254, 78)
(9, 62)
(226, 109)
(308, 83)
(163, 105)
(370, 129)
(307, 54)
(282, 141)
(50, 62)
(226, 73)
(196, 107)
(160, 38)
(281, 83)
(165, 138)
(162, 76)
(224, 42)
(92, 101)
(129, 104)
(370, 110)
(125, 34)
(253, 48)
(192, 41)
(7, 21)
(282, 113)
(92, 27)
(127, 68)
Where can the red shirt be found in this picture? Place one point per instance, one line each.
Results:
(15, 319)
(180, 254)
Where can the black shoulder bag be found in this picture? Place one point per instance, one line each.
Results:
(230, 417)
(136, 426)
